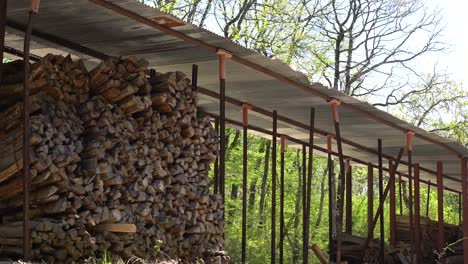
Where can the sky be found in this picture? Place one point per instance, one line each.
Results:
(455, 35)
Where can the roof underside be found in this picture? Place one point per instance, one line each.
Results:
(89, 25)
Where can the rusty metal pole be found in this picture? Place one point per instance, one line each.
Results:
(305, 225)
(34, 9)
(273, 188)
(349, 199)
(464, 177)
(340, 201)
(417, 215)
(245, 123)
(382, 233)
(331, 200)
(370, 199)
(400, 200)
(440, 211)
(392, 204)
(194, 77)
(309, 185)
(3, 14)
(428, 197)
(216, 164)
(409, 147)
(222, 55)
(459, 209)
(281, 238)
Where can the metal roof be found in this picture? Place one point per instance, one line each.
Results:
(89, 30)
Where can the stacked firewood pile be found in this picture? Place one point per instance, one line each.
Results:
(429, 236)
(119, 164)
(354, 250)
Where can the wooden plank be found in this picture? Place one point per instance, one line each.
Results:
(118, 228)
(319, 254)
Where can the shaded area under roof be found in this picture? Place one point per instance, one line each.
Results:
(74, 26)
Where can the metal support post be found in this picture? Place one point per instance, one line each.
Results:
(331, 201)
(305, 225)
(400, 200)
(370, 199)
(428, 197)
(409, 147)
(245, 123)
(222, 56)
(382, 232)
(349, 199)
(464, 177)
(281, 238)
(340, 201)
(216, 164)
(309, 185)
(440, 211)
(392, 204)
(3, 14)
(417, 215)
(273, 188)
(194, 77)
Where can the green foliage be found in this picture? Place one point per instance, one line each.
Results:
(259, 224)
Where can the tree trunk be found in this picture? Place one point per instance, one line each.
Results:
(264, 183)
(321, 199)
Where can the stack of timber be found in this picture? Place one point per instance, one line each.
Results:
(428, 235)
(353, 250)
(119, 164)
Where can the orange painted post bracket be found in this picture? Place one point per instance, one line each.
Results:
(335, 103)
(409, 140)
(245, 114)
(329, 142)
(34, 7)
(223, 55)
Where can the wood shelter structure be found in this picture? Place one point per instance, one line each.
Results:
(242, 88)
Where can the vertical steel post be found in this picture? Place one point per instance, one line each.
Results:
(428, 197)
(3, 9)
(464, 177)
(304, 205)
(194, 77)
(331, 200)
(440, 211)
(340, 201)
(400, 200)
(222, 55)
(309, 186)
(349, 199)
(216, 164)
(459, 209)
(382, 233)
(245, 123)
(281, 238)
(409, 146)
(33, 9)
(417, 215)
(273, 188)
(392, 203)
(370, 199)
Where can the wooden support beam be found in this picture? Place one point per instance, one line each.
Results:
(409, 147)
